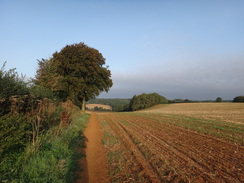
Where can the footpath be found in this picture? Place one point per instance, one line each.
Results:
(94, 165)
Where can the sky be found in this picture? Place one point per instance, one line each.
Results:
(188, 49)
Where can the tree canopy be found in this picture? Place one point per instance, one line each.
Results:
(144, 101)
(76, 73)
(238, 99)
(218, 99)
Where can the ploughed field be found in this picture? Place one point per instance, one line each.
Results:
(202, 142)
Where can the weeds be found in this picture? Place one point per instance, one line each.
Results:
(56, 159)
(53, 156)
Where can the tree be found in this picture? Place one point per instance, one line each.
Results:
(186, 101)
(144, 101)
(76, 73)
(218, 99)
(46, 75)
(238, 99)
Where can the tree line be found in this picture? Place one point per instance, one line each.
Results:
(144, 101)
(147, 100)
(117, 104)
(239, 99)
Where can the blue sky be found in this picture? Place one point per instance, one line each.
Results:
(179, 49)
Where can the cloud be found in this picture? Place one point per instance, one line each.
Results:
(214, 77)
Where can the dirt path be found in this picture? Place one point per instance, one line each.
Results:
(95, 167)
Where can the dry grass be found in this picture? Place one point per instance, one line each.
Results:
(225, 112)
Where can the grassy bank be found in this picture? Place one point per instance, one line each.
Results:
(53, 160)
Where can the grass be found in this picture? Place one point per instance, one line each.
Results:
(56, 159)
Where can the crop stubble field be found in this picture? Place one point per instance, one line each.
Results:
(200, 142)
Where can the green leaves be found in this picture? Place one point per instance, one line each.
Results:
(76, 72)
(11, 83)
(239, 99)
(144, 101)
(15, 133)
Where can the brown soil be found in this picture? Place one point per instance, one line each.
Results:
(169, 153)
(150, 148)
(95, 167)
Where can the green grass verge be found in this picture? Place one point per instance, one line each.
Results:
(55, 160)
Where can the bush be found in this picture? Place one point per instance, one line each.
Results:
(42, 92)
(53, 157)
(11, 165)
(21, 137)
(11, 84)
(15, 135)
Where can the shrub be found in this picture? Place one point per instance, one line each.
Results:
(15, 133)
(14, 137)
(42, 92)
(53, 157)
(11, 84)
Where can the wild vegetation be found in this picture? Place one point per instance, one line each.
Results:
(40, 127)
(39, 136)
(11, 83)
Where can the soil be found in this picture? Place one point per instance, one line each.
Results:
(95, 166)
(169, 153)
(149, 148)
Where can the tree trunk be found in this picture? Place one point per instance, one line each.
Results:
(83, 104)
